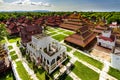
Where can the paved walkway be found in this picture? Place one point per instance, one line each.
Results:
(16, 49)
(73, 76)
(103, 72)
(30, 71)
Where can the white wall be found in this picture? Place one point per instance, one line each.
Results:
(115, 61)
(106, 44)
(106, 33)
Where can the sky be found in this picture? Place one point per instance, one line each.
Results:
(60, 5)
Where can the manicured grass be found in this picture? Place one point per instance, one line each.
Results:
(22, 72)
(12, 53)
(68, 48)
(68, 78)
(10, 47)
(8, 75)
(2, 41)
(59, 37)
(51, 30)
(89, 60)
(61, 30)
(53, 33)
(14, 57)
(12, 39)
(114, 72)
(84, 73)
(40, 74)
(68, 32)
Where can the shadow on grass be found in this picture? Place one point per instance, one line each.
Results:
(8, 75)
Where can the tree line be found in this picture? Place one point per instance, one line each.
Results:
(108, 16)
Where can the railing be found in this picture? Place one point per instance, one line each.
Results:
(53, 66)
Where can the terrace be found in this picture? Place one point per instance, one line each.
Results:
(52, 49)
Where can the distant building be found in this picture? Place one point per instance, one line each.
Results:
(114, 25)
(54, 21)
(106, 39)
(26, 31)
(46, 52)
(99, 29)
(82, 37)
(115, 58)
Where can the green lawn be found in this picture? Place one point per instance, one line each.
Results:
(51, 29)
(61, 30)
(3, 41)
(12, 53)
(59, 37)
(40, 74)
(68, 32)
(114, 72)
(14, 57)
(22, 72)
(68, 78)
(13, 39)
(10, 47)
(84, 73)
(89, 60)
(68, 48)
(52, 33)
(8, 75)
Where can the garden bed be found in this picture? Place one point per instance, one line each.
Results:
(59, 37)
(114, 72)
(22, 72)
(10, 47)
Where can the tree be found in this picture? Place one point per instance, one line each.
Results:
(3, 31)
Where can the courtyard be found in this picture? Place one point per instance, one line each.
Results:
(85, 66)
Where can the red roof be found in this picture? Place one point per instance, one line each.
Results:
(111, 39)
(113, 25)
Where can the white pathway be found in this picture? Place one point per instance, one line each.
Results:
(103, 72)
(16, 49)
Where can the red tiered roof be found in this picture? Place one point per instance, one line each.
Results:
(28, 30)
(111, 39)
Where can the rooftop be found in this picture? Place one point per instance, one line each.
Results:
(46, 43)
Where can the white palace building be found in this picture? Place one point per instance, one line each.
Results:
(46, 52)
(106, 39)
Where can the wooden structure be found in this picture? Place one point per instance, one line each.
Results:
(76, 21)
(26, 31)
(54, 21)
(13, 25)
(4, 61)
(99, 29)
(82, 38)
